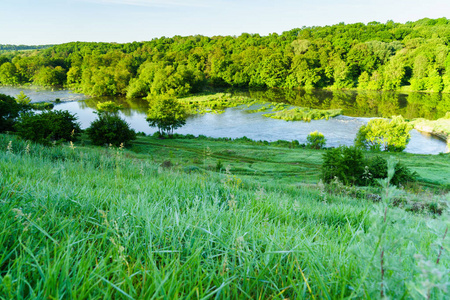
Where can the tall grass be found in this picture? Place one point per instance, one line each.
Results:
(101, 223)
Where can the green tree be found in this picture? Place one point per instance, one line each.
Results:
(167, 114)
(363, 81)
(381, 134)
(10, 110)
(23, 99)
(49, 76)
(393, 74)
(48, 126)
(316, 140)
(344, 163)
(341, 75)
(8, 74)
(110, 129)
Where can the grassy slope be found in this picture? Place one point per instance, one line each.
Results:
(102, 223)
(271, 163)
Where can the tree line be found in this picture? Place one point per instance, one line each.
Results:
(8, 47)
(413, 56)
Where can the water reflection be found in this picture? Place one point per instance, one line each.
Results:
(362, 103)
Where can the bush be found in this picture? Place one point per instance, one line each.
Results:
(316, 140)
(49, 126)
(382, 134)
(10, 110)
(110, 129)
(42, 106)
(378, 169)
(348, 165)
(344, 163)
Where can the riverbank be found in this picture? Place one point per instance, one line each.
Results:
(439, 128)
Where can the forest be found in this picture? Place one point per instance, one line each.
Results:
(376, 56)
(7, 47)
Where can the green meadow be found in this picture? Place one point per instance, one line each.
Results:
(200, 218)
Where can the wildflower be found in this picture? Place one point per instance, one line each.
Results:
(9, 148)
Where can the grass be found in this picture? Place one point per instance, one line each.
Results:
(216, 103)
(439, 127)
(82, 222)
(213, 103)
(280, 161)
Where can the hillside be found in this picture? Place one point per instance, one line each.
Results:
(159, 220)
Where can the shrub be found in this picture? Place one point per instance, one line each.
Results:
(110, 129)
(23, 99)
(42, 106)
(315, 140)
(378, 169)
(382, 134)
(344, 163)
(49, 126)
(10, 110)
(348, 165)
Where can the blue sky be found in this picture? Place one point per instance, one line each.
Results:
(35, 22)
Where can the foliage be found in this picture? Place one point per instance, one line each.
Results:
(167, 114)
(373, 56)
(377, 168)
(439, 127)
(344, 163)
(316, 140)
(381, 134)
(10, 110)
(23, 99)
(349, 166)
(48, 126)
(49, 76)
(42, 106)
(110, 129)
(82, 215)
(108, 107)
(304, 114)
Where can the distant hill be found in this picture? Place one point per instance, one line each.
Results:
(8, 47)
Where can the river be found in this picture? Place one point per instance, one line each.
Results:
(236, 122)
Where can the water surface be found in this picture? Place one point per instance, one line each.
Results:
(235, 122)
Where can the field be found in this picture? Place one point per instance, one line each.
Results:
(197, 218)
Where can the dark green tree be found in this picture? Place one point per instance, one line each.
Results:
(10, 110)
(48, 126)
(344, 163)
(109, 128)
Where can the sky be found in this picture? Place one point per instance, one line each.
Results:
(38, 22)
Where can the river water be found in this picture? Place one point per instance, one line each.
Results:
(237, 122)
